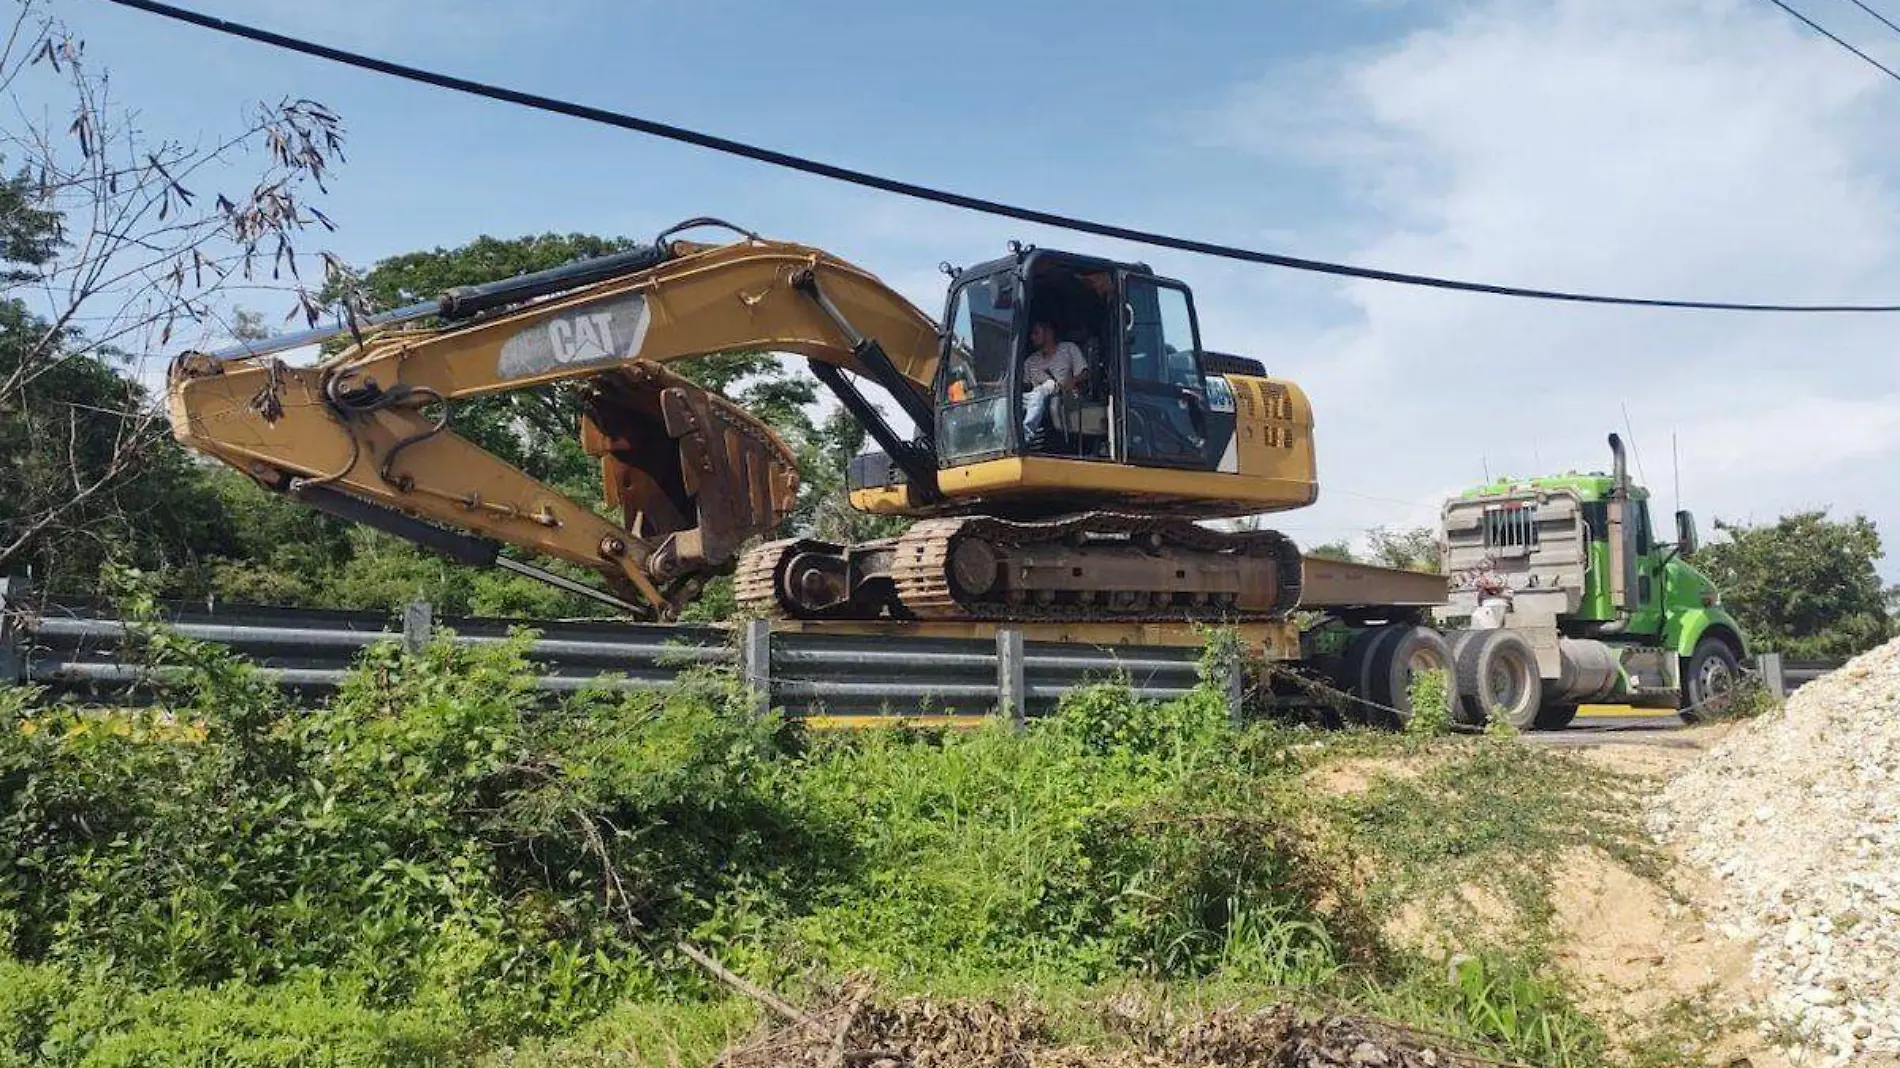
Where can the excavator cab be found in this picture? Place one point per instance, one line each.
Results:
(1142, 397)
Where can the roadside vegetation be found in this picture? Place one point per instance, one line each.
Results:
(441, 866)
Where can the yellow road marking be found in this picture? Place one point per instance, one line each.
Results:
(1623, 712)
(872, 722)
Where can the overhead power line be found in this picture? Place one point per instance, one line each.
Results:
(934, 195)
(1884, 20)
(1823, 31)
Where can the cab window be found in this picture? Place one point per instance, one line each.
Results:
(1166, 401)
(973, 384)
(1161, 346)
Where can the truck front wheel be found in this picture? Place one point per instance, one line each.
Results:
(1708, 679)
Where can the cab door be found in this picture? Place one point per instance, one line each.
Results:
(1648, 594)
(973, 377)
(1164, 416)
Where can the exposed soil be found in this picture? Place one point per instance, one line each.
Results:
(1446, 922)
(1356, 775)
(1641, 951)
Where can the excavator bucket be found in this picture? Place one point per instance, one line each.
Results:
(691, 472)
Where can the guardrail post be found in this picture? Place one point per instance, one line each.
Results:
(12, 636)
(755, 661)
(1234, 682)
(1012, 698)
(1772, 678)
(417, 623)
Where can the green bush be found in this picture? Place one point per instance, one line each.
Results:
(53, 1016)
(434, 836)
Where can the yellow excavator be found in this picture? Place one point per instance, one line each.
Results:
(1094, 518)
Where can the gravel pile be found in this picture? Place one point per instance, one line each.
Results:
(1797, 815)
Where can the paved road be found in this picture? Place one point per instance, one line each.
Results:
(1617, 725)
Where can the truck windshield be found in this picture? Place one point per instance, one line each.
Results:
(973, 401)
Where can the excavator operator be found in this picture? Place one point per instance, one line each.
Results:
(1052, 365)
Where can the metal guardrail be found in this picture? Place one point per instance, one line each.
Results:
(81, 649)
(1783, 677)
(1798, 673)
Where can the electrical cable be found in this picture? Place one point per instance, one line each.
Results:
(1889, 23)
(939, 196)
(1822, 30)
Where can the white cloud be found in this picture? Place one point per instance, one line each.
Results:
(1696, 148)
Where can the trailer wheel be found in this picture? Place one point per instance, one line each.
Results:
(1498, 679)
(1409, 651)
(1708, 679)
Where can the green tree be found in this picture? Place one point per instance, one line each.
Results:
(1412, 549)
(824, 508)
(107, 251)
(1804, 585)
(1334, 550)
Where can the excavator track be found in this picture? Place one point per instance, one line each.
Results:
(755, 584)
(1106, 554)
(1102, 567)
(805, 578)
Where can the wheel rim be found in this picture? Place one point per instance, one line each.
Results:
(1510, 686)
(1713, 684)
(1503, 685)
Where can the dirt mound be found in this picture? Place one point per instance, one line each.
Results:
(1796, 817)
(924, 1033)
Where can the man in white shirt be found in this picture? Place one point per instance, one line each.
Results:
(1051, 366)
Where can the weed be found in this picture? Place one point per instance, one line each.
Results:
(1682, 1033)
(1526, 1015)
(1430, 693)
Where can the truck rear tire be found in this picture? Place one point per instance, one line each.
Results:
(1461, 709)
(1393, 663)
(1708, 678)
(1556, 717)
(1498, 679)
(1351, 676)
(1367, 661)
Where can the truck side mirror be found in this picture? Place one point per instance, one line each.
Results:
(1686, 542)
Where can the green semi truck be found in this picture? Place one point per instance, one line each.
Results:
(1559, 594)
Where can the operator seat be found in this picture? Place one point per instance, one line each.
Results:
(1083, 419)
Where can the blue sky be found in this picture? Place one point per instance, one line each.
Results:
(1707, 148)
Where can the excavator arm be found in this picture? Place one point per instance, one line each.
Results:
(370, 432)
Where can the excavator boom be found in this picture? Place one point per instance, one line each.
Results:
(369, 433)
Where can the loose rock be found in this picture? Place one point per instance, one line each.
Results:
(1794, 815)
